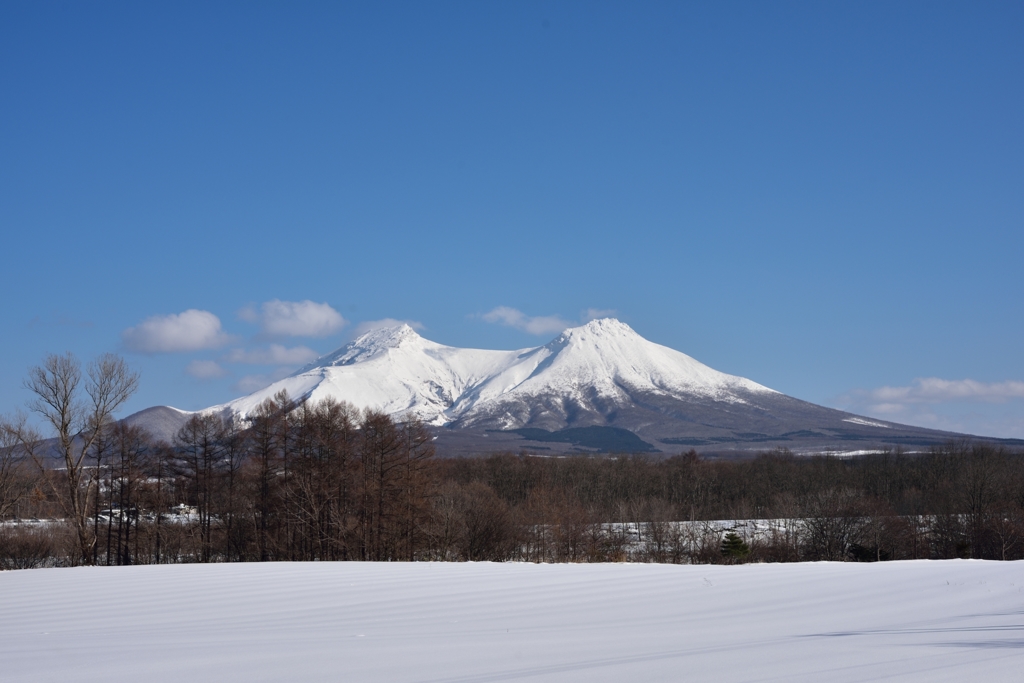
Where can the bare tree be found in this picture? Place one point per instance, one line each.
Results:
(131, 448)
(201, 444)
(15, 481)
(831, 522)
(482, 527)
(320, 490)
(267, 442)
(397, 485)
(381, 456)
(76, 409)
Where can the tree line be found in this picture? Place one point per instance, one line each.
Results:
(961, 500)
(324, 481)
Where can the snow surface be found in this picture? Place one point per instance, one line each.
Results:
(896, 621)
(867, 423)
(398, 371)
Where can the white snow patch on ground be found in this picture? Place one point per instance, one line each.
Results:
(866, 423)
(852, 454)
(897, 621)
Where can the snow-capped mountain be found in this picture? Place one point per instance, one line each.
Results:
(600, 386)
(591, 369)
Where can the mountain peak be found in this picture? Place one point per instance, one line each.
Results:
(601, 327)
(368, 345)
(378, 341)
(386, 337)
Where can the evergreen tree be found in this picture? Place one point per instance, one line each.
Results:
(734, 548)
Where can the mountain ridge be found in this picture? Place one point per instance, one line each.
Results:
(398, 371)
(559, 396)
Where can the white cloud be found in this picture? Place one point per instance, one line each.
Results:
(370, 325)
(294, 318)
(276, 354)
(205, 369)
(541, 324)
(595, 313)
(191, 330)
(965, 405)
(985, 420)
(935, 390)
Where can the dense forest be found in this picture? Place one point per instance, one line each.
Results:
(325, 481)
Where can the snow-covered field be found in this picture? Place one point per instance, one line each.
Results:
(896, 621)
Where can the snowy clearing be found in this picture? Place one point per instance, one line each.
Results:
(903, 621)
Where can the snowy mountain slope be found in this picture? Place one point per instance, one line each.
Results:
(392, 369)
(588, 373)
(601, 375)
(589, 369)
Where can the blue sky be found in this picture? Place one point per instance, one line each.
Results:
(826, 198)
